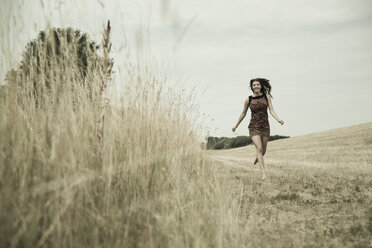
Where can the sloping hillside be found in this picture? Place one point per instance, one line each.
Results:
(318, 192)
(345, 147)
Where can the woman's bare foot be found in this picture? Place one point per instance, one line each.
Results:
(255, 162)
(264, 178)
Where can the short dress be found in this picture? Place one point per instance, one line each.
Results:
(259, 124)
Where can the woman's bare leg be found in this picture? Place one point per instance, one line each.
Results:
(264, 141)
(259, 148)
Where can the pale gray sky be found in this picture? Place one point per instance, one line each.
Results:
(317, 54)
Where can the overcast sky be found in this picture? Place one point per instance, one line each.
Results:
(317, 54)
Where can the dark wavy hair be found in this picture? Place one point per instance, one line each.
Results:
(265, 85)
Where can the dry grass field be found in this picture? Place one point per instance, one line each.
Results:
(318, 193)
(82, 165)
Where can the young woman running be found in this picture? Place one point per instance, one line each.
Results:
(259, 128)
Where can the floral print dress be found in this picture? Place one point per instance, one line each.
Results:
(259, 124)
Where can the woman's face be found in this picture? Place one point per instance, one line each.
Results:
(256, 86)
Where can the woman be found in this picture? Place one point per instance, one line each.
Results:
(259, 128)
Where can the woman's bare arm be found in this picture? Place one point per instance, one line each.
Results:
(243, 114)
(272, 112)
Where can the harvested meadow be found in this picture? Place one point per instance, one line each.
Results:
(318, 193)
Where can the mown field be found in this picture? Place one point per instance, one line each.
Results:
(318, 193)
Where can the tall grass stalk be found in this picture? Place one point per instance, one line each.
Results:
(150, 185)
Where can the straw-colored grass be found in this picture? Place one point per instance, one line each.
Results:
(144, 184)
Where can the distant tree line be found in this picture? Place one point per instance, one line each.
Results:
(218, 143)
